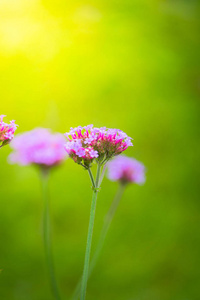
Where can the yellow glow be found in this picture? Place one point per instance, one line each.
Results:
(32, 30)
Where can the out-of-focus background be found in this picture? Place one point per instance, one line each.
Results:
(128, 64)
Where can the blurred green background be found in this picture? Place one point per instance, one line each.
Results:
(128, 64)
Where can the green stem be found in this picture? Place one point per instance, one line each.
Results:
(106, 226)
(108, 219)
(47, 237)
(98, 175)
(89, 236)
(91, 177)
(102, 174)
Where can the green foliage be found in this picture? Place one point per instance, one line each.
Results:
(125, 64)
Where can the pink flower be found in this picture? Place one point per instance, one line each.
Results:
(6, 131)
(126, 170)
(88, 143)
(38, 146)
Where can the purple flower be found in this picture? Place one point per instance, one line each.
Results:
(38, 146)
(6, 131)
(88, 143)
(126, 170)
(93, 153)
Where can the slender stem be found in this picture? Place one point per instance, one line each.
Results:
(89, 237)
(102, 174)
(47, 237)
(98, 175)
(108, 219)
(107, 222)
(104, 161)
(91, 177)
(88, 246)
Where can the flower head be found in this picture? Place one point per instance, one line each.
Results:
(88, 143)
(38, 146)
(126, 170)
(6, 131)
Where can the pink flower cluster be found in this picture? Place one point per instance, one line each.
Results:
(126, 170)
(38, 146)
(88, 143)
(6, 131)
